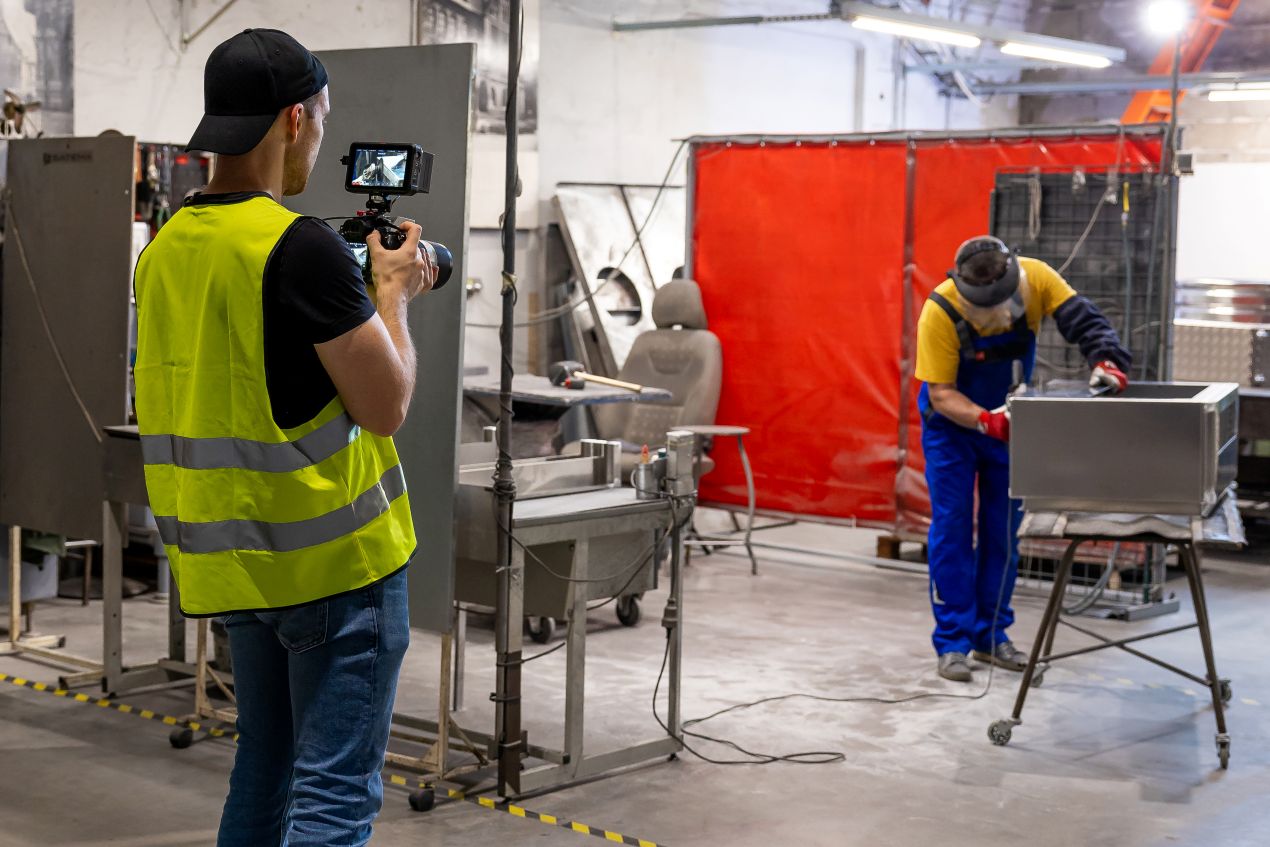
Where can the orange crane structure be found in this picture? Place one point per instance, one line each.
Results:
(1211, 18)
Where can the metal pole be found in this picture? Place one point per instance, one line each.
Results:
(507, 693)
(15, 585)
(1169, 182)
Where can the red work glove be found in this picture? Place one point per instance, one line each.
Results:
(995, 424)
(1107, 374)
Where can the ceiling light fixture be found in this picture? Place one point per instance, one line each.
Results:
(1167, 17)
(1244, 92)
(1054, 54)
(919, 32)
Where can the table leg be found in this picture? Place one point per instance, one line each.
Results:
(1048, 622)
(1190, 563)
(1061, 578)
(15, 586)
(88, 576)
(460, 653)
(575, 658)
(114, 525)
(749, 489)
(176, 624)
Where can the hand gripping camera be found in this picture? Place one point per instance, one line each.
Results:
(386, 172)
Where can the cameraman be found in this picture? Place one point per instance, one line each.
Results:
(268, 386)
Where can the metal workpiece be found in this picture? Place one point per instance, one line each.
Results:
(1158, 448)
(680, 453)
(598, 467)
(1217, 350)
(607, 461)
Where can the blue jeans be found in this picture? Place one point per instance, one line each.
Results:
(971, 577)
(315, 688)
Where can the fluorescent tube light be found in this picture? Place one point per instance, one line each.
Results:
(1054, 54)
(920, 32)
(1248, 91)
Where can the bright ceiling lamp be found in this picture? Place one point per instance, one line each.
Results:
(1055, 54)
(919, 32)
(1246, 91)
(1167, 17)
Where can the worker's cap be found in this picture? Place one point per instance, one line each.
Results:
(247, 81)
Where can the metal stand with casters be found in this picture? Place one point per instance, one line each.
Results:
(44, 648)
(1042, 654)
(707, 542)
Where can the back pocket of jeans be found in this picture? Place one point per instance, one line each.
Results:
(300, 629)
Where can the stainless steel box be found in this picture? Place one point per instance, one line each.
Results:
(1158, 448)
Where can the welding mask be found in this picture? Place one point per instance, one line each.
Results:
(986, 271)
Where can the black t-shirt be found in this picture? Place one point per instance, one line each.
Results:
(313, 293)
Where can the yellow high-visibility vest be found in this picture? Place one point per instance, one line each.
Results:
(253, 516)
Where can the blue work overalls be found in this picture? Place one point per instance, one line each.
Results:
(970, 602)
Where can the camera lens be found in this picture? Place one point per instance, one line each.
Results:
(444, 260)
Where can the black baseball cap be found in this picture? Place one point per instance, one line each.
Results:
(247, 81)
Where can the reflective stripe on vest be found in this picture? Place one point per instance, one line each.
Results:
(271, 457)
(222, 536)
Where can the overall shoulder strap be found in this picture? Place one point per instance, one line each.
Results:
(965, 332)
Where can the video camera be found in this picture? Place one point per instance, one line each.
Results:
(386, 172)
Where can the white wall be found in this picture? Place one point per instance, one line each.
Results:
(1222, 213)
(610, 104)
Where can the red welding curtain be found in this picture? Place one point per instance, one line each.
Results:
(799, 249)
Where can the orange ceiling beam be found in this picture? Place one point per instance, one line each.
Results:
(1211, 18)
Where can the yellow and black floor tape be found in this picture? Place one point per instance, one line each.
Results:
(395, 779)
(521, 812)
(123, 708)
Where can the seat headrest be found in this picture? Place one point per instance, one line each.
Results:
(678, 303)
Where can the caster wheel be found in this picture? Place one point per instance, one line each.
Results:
(1223, 751)
(628, 611)
(423, 800)
(1226, 692)
(181, 738)
(542, 630)
(1038, 679)
(999, 733)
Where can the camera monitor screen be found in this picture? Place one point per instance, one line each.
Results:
(380, 168)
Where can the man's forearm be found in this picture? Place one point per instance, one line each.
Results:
(957, 407)
(393, 312)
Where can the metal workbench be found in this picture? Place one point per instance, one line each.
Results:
(1221, 528)
(582, 519)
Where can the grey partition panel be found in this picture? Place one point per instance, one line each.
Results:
(72, 208)
(420, 95)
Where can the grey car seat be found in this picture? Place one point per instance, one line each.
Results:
(680, 355)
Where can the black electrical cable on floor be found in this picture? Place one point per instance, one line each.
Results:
(825, 757)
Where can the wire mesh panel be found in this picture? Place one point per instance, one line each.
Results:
(1104, 231)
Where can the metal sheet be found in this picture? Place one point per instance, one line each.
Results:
(50, 454)
(1159, 448)
(600, 232)
(1226, 352)
(421, 95)
(663, 235)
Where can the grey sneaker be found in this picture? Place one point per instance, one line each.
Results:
(1007, 656)
(955, 667)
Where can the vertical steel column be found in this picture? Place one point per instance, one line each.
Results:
(1169, 181)
(15, 586)
(510, 562)
(674, 717)
(907, 325)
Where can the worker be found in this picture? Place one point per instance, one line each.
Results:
(268, 385)
(976, 336)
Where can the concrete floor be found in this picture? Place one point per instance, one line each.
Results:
(1113, 752)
